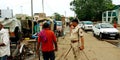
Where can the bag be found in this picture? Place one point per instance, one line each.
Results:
(43, 36)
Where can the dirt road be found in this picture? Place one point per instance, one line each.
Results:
(94, 49)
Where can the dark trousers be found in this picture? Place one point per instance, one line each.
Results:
(3, 58)
(49, 55)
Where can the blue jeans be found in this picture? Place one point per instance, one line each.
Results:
(3, 58)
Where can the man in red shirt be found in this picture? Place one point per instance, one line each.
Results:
(115, 24)
(47, 40)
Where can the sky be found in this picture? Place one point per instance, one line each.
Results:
(50, 6)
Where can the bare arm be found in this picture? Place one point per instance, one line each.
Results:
(56, 46)
(82, 43)
(55, 42)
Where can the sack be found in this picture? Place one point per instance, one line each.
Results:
(43, 36)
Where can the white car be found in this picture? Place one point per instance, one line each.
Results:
(87, 25)
(80, 24)
(105, 30)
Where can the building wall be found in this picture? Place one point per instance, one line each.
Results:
(119, 16)
(38, 16)
(21, 16)
(114, 14)
(8, 13)
(108, 16)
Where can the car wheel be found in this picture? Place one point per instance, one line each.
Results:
(100, 36)
(94, 34)
(116, 38)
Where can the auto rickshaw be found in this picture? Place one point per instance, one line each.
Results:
(38, 25)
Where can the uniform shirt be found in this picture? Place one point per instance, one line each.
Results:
(4, 38)
(75, 32)
(49, 45)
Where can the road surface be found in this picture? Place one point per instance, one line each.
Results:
(94, 49)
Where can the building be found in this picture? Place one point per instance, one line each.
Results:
(38, 16)
(112, 15)
(21, 16)
(6, 13)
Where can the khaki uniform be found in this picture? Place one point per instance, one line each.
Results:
(74, 37)
(75, 32)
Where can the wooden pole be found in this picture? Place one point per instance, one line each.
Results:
(32, 14)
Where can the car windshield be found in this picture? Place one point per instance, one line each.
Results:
(106, 26)
(59, 23)
(88, 22)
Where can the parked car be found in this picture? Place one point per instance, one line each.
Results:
(59, 28)
(104, 30)
(80, 24)
(87, 25)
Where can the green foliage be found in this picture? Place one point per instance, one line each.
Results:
(28, 18)
(71, 18)
(57, 16)
(18, 18)
(90, 9)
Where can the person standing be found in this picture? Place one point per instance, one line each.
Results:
(48, 43)
(76, 38)
(4, 43)
(115, 24)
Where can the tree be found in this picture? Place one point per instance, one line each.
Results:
(57, 16)
(19, 18)
(71, 18)
(28, 18)
(90, 9)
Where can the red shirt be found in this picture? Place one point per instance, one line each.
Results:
(115, 25)
(49, 45)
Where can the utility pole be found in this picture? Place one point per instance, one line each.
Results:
(21, 9)
(43, 5)
(74, 15)
(32, 14)
(65, 13)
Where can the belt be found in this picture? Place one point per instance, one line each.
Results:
(74, 41)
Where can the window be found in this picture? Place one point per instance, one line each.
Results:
(109, 13)
(108, 19)
(114, 14)
(104, 14)
(97, 26)
(106, 25)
